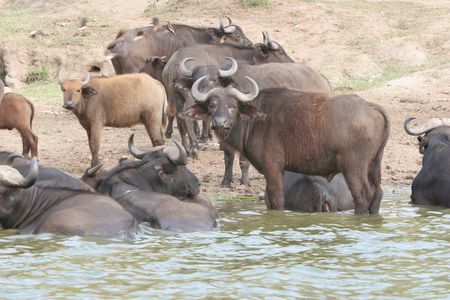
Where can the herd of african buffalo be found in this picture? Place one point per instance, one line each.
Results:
(317, 151)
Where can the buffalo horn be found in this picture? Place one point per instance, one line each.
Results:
(424, 128)
(60, 77)
(91, 171)
(10, 177)
(199, 96)
(180, 158)
(2, 90)
(247, 97)
(183, 69)
(133, 149)
(85, 80)
(264, 39)
(11, 158)
(272, 45)
(231, 70)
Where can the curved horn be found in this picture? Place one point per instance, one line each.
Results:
(10, 177)
(424, 128)
(247, 97)
(11, 158)
(133, 149)
(231, 70)
(183, 69)
(85, 80)
(230, 29)
(180, 159)
(221, 24)
(60, 77)
(91, 171)
(271, 44)
(199, 96)
(2, 89)
(264, 38)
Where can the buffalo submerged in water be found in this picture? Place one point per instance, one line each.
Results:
(158, 189)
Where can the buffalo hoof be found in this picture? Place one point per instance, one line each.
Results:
(245, 181)
(193, 153)
(203, 139)
(168, 134)
(226, 183)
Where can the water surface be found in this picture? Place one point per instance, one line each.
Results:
(403, 253)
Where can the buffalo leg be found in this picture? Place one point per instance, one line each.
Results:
(154, 131)
(244, 164)
(30, 143)
(229, 161)
(182, 130)
(169, 129)
(206, 130)
(192, 137)
(94, 135)
(361, 189)
(274, 188)
(196, 129)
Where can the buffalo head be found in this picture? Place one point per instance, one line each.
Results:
(270, 51)
(434, 131)
(230, 34)
(170, 162)
(224, 104)
(75, 90)
(10, 183)
(154, 66)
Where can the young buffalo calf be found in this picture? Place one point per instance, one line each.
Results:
(120, 101)
(17, 112)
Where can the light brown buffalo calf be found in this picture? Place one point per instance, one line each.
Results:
(17, 112)
(120, 101)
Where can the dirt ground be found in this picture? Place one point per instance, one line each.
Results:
(394, 53)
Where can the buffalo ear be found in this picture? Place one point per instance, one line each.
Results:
(248, 112)
(88, 91)
(423, 144)
(197, 111)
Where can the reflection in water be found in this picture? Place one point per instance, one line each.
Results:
(403, 252)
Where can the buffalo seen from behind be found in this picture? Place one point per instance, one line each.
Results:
(158, 189)
(431, 186)
(178, 77)
(131, 48)
(17, 112)
(49, 200)
(120, 101)
(311, 133)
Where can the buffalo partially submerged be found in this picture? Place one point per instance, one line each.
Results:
(158, 189)
(431, 186)
(294, 76)
(315, 193)
(311, 133)
(131, 48)
(178, 76)
(120, 101)
(17, 112)
(50, 200)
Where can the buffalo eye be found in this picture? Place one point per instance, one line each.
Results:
(78, 91)
(63, 89)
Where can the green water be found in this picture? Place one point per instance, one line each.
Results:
(403, 253)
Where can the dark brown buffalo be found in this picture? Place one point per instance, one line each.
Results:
(120, 101)
(431, 186)
(50, 200)
(131, 48)
(178, 77)
(294, 76)
(310, 133)
(17, 112)
(158, 189)
(314, 193)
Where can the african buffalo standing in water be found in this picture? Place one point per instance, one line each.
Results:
(310, 133)
(294, 76)
(158, 189)
(131, 48)
(178, 77)
(17, 112)
(120, 101)
(431, 186)
(50, 200)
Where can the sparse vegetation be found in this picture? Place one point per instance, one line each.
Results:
(255, 3)
(43, 92)
(37, 74)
